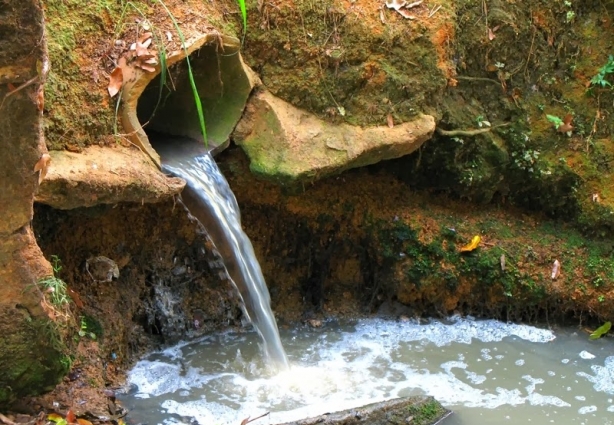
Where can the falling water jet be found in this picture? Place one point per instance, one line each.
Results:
(209, 198)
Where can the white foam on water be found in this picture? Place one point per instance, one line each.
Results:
(586, 355)
(373, 361)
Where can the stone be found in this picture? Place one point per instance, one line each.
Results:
(418, 410)
(103, 175)
(289, 145)
(32, 356)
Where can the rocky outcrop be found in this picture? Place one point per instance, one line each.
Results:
(104, 176)
(287, 144)
(410, 410)
(31, 355)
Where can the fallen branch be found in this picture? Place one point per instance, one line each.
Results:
(466, 78)
(6, 420)
(248, 420)
(469, 133)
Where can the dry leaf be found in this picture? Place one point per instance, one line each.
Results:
(395, 4)
(71, 418)
(146, 67)
(42, 165)
(566, 126)
(145, 36)
(491, 34)
(502, 262)
(475, 242)
(83, 422)
(6, 420)
(54, 417)
(40, 99)
(556, 269)
(406, 14)
(596, 198)
(116, 80)
(390, 121)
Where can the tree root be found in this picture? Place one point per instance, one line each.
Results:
(468, 133)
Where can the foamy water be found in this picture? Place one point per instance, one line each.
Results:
(487, 372)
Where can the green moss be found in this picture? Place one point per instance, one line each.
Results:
(320, 55)
(34, 359)
(426, 413)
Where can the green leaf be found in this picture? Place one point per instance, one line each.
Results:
(555, 120)
(601, 331)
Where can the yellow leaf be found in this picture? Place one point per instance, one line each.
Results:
(475, 242)
(54, 417)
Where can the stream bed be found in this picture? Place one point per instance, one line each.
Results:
(486, 371)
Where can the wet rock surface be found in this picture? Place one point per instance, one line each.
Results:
(104, 175)
(405, 411)
(289, 145)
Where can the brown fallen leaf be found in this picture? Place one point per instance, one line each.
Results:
(71, 418)
(390, 120)
(81, 421)
(116, 80)
(42, 165)
(145, 36)
(567, 126)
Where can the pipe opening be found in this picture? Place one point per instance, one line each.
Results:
(223, 87)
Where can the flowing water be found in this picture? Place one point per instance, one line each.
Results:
(487, 372)
(209, 198)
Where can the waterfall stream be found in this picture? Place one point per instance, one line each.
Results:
(209, 198)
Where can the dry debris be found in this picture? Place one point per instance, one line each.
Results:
(401, 6)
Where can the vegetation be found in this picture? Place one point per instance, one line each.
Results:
(606, 70)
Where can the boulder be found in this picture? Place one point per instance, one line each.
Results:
(106, 175)
(290, 145)
(402, 411)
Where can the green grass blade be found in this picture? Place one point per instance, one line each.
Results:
(197, 102)
(243, 14)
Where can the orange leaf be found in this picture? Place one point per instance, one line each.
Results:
(71, 418)
(83, 422)
(475, 242)
(116, 80)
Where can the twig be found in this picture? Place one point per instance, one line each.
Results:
(248, 420)
(435, 10)
(473, 132)
(526, 65)
(490, 80)
(31, 81)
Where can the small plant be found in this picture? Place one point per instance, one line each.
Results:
(53, 287)
(84, 331)
(562, 125)
(604, 72)
(601, 331)
(526, 160)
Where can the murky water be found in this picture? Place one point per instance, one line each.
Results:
(487, 372)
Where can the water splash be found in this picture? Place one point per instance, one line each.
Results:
(209, 198)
